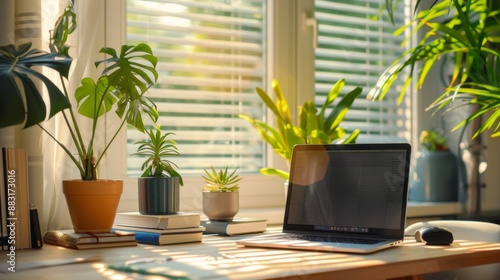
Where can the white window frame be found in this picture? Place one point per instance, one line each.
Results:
(290, 60)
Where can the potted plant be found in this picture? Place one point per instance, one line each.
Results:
(469, 33)
(313, 127)
(126, 75)
(159, 192)
(220, 194)
(436, 173)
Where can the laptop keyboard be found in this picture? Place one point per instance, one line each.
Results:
(331, 239)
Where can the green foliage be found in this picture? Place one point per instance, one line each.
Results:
(221, 181)
(156, 149)
(124, 80)
(315, 127)
(64, 26)
(471, 35)
(433, 140)
(19, 74)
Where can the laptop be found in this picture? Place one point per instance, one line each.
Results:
(343, 198)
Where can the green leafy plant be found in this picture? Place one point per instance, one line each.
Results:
(221, 181)
(156, 149)
(471, 36)
(315, 127)
(433, 140)
(125, 78)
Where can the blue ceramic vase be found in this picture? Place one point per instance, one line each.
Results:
(435, 178)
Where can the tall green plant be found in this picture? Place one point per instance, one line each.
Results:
(124, 80)
(471, 35)
(314, 127)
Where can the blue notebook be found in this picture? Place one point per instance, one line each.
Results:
(164, 237)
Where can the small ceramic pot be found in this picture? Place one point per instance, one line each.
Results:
(159, 195)
(435, 178)
(221, 206)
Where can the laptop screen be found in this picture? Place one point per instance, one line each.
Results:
(348, 188)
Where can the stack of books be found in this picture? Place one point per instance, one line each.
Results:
(19, 224)
(70, 239)
(183, 227)
(239, 225)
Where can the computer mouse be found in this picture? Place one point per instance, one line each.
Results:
(434, 236)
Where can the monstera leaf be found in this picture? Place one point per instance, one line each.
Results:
(94, 99)
(20, 99)
(131, 74)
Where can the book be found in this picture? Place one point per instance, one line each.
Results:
(154, 230)
(164, 236)
(239, 225)
(173, 221)
(3, 208)
(166, 239)
(36, 232)
(15, 196)
(70, 239)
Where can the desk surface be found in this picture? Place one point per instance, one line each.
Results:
(220, 258)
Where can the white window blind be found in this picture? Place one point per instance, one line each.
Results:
(211, 59)
(354, 47)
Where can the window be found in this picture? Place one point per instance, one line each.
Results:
(212, 56)
(358, 49)
(211, 59)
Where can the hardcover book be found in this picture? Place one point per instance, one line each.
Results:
(171, 238)
(15, 212)
(164, 236)
(36, 232)
(173, 221)
(3, 207)
(70, 239)
(239, 225)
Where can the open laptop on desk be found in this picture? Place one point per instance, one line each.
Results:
(344, 198)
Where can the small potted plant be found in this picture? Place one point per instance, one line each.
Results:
(221, 195)
(159, 191)
(436, 170)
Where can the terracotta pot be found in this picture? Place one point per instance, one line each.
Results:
(221, 206)
(159, 195)
(92, 205)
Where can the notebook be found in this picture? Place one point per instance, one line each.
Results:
(343, 198)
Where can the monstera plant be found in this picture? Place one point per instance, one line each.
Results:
(125, 78)
(126, 75)
(314, 126)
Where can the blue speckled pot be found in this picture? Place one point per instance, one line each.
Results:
(435, 177)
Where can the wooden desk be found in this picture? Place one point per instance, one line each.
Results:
(219, 258)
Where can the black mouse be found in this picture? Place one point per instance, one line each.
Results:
(434, 236)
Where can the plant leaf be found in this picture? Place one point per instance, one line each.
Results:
(276, 172)
(94, 100)
(131, 74)
(24, 102)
